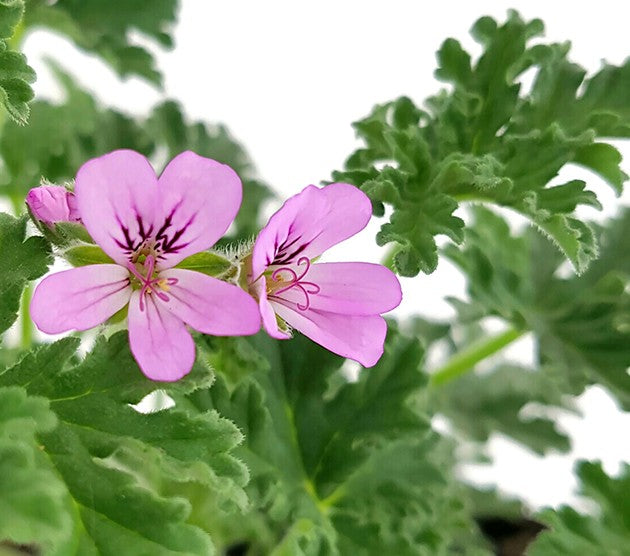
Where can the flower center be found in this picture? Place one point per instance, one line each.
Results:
(142, 240)
(145, 250)
(150, 283)
(279, 283)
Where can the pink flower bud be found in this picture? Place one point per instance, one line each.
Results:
(52, 203)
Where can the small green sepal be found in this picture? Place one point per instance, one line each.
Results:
(210, 263)
(82, 255)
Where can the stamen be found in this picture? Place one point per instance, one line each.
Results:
(277, 278)
(149, 264)
(162, 295)
(296, 282)
(149, 284)
(166, 283)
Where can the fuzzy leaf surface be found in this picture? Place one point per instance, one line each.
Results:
(482, 139)
(16, 75)
(34, 505)
(125, 471)
(24, 259)
(572, 532)
(337, 467)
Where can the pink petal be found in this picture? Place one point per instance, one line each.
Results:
(269, 321)
(309, 223)
(80, 298)
(210, 305)
(349, 288)
(200, 198)
(73, 209)
(116, 197)
(159, 341)
(357, 337)
(52, 203)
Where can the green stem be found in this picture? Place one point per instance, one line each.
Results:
(26, 325)
(472, 197)
(17, 204)
(466, 359)
(333, 497)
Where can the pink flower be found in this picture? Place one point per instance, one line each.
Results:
(337, 305)
(147, 226)
(52, 203)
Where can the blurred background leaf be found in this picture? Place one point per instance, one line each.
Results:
(95, 27)
(35, 508)
(61, 137)
(603, 532)
(579, 323)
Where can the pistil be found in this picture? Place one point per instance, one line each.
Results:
(279, 284)
(149, 283)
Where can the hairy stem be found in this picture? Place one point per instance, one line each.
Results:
(466, 359)
(26, 325)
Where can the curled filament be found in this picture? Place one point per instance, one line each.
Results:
(307, 288)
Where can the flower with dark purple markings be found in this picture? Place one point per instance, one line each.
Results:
(337, 305)
(147, 225)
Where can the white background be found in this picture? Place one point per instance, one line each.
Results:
(288, 78)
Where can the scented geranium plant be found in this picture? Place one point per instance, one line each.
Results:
(191, 378)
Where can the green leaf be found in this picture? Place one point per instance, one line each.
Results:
(302, 539)
(15, 79)
(603, 159)
(15, 74)
(11, 12)
(571, 532)
(210, 263)
(82, 255)
(337, 467)
(34, 505)
(573, 237)
(82, 130)
(128, 473)
(484, 140)
(454, 63)
(480, 405)
(97, 27)
(167, 121)
(564, 198)
(24, 259)
(235, 356)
